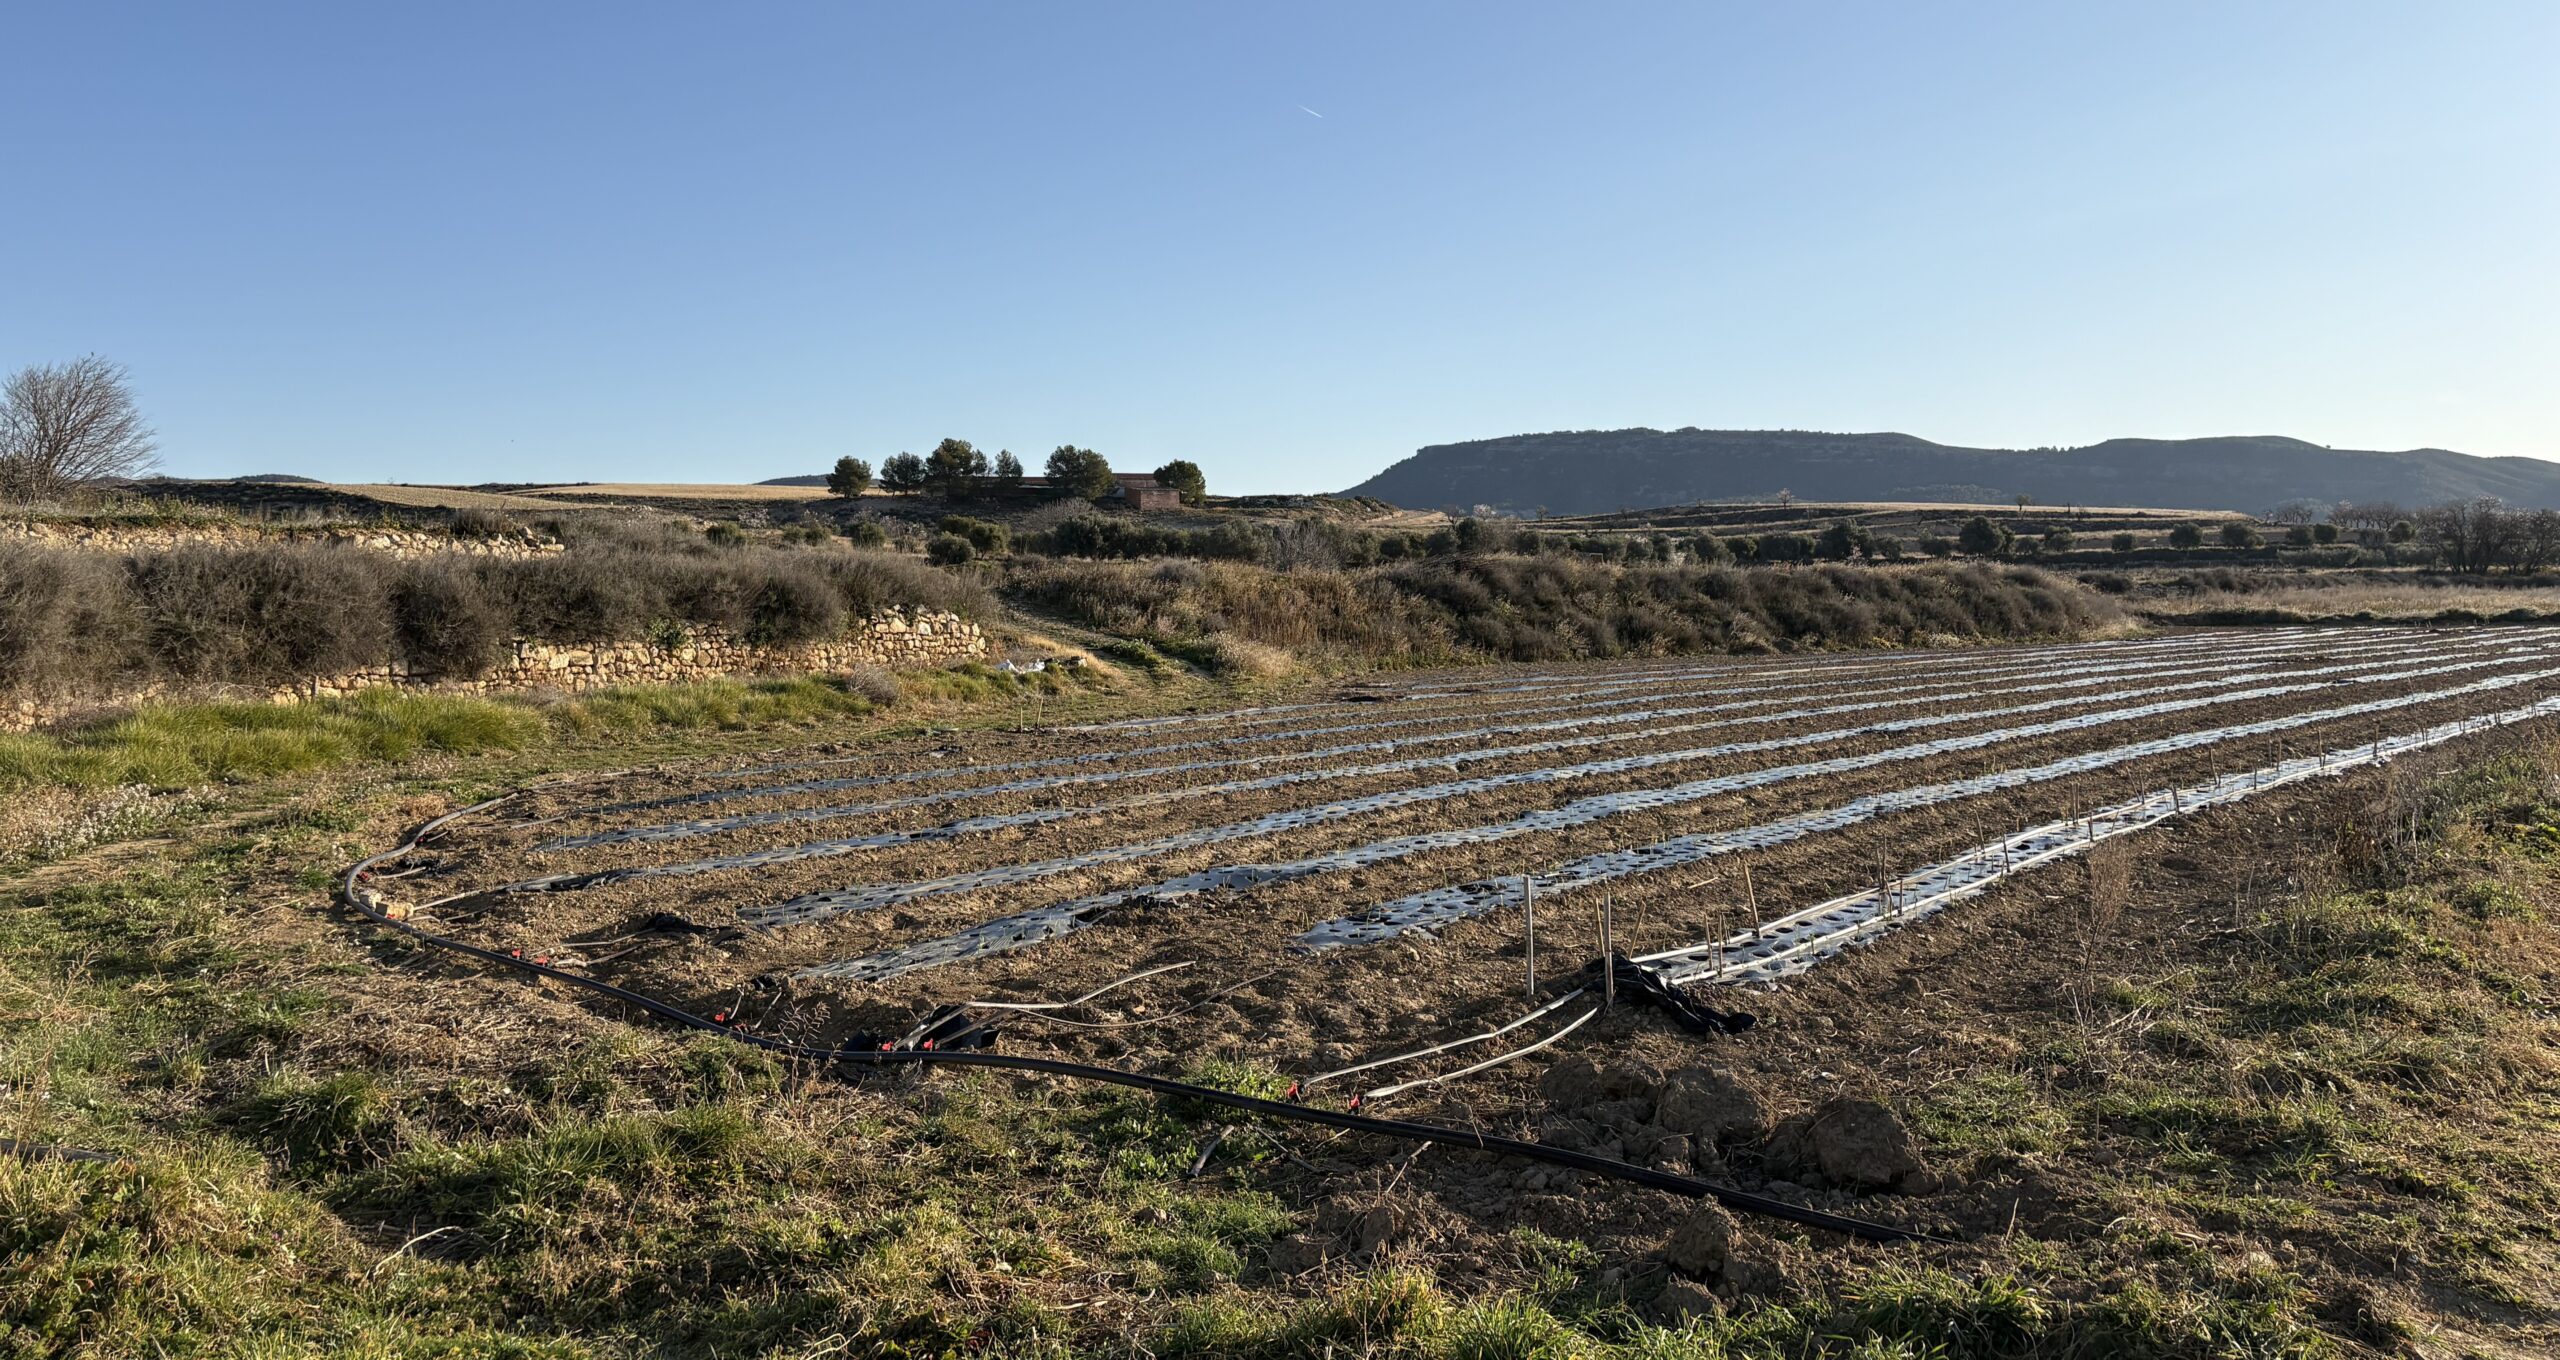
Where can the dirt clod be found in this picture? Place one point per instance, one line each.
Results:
(1702, 1243)
(1850, 1141)
(1297, 1255)
(1572, 1083)
(1710, 1107)
(1377, 1227)
(1685, 1301)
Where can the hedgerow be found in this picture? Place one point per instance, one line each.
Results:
(81, 621)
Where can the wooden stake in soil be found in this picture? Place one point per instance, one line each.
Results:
(1752, 898)
(1529, 900)
(1608, 952)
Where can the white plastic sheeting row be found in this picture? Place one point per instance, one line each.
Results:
(1424, 911)
(837, 901)
(1047, 922)
(1621, 677)
(2257, 664)
(1842, 675)
(1797, 941)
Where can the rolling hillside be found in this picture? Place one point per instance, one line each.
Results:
(1594, 471)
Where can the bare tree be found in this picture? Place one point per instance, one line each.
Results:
(2369, 521)
(2473, 535)
(2537, 545)
(65, 426)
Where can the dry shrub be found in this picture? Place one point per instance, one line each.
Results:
(263, 615)
(447, 621)
(73, 620)
(66, 619)
(870, 582)
(474, 521)
(1550, 608)
(575, 596)
(792, 607)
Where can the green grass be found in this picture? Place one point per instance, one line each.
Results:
(173, 746)
(2361, 1062)
(177, 746)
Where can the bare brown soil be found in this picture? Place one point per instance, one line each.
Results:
(1286, 1010)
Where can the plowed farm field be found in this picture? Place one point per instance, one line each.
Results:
(1351, 879)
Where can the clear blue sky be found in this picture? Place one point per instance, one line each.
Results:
(725, 242)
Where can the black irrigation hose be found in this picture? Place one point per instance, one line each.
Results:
(1409, 1130)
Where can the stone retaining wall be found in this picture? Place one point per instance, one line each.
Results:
(891, 641)
(152, 537)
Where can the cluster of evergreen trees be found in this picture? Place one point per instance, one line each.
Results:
(959, 470)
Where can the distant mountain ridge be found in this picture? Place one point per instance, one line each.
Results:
(1592, 471)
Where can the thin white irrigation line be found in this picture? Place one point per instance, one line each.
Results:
(664, 832)
(859, 897)
(1309, 1083)
(1104, 989)
(1036, 925)
(1654, 693)
(1859, 917)
(841, 846)
(1472, 1068)
(1908, 697)
(1430, 910)
(1842, 676)
(1724, 671)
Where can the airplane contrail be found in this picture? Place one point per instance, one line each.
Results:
(1311, 113)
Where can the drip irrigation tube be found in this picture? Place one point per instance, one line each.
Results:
(2231, 670)
(355, 898)
(1038, 924)
(2167, 655)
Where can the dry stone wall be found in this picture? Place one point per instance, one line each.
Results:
(403, 543)
(897, 639)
